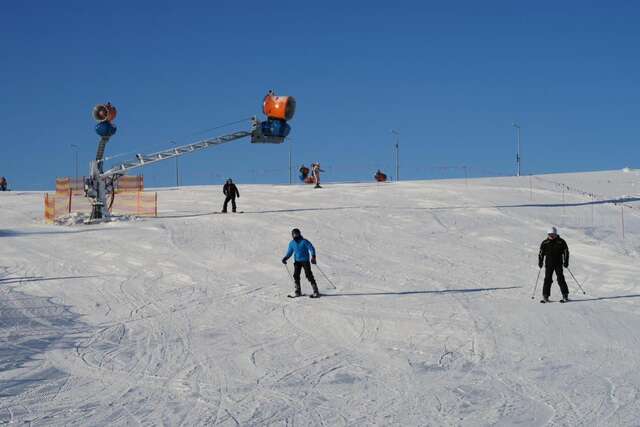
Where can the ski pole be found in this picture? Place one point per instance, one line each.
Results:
(325, 276)
(289, 274)
(574, 278)
(536, 286)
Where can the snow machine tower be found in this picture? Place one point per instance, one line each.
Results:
(96, 187)
(278, 109)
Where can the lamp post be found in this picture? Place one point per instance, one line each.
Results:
(76, 156)
(517, 126)
(177, 174)
(397, 147)
(290, 161)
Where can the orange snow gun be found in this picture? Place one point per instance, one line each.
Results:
(275, 129)
(104, 112)
(279, 107)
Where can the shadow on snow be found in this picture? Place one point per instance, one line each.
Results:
(441, 291)
(33, 326)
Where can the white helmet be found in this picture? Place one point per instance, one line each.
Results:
(552, 230)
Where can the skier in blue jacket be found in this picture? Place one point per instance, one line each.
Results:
(300, 248)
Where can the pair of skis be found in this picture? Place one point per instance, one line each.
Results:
(562, 301)
(304, 295)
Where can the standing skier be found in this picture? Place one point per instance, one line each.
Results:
(231, 191)
(556, 251)
(300, 248)
(3, 183)
(315, 172)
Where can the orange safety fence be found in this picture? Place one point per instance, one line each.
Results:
(57, 204)
(125, 184)
(138, 203)
(130, 184)
(64, 184)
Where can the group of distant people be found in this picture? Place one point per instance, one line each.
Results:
(314, 178)
(315, 170)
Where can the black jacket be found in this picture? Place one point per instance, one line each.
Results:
(230, 190)
(556, 251)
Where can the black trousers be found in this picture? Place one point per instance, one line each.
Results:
(297, 269)
(233, 203)
(548, 280)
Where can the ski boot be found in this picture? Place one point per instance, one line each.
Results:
(565, 298)
(297, 293)
(316, 293)
(545, 300)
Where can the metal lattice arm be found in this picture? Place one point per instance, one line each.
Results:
(146, 159)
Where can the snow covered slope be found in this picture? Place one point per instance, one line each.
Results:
(183, 319)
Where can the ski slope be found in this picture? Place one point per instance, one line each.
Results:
(183, 319)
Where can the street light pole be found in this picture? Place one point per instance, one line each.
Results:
(290, 161)
(76, 155)
(177, 175)
(515, 125)
(397, 147)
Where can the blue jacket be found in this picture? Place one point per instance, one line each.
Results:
(300, 250)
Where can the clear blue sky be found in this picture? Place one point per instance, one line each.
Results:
(450, 76)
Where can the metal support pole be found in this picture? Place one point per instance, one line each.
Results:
(515, 125)
(290, 162)
(622, 219)
(177, 171)
(397, 147)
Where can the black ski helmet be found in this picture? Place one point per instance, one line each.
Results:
(296, 233)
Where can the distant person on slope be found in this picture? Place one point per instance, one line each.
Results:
(315, 172)
(380, 176)
(231, 191)
(3, 183)
(300, 248)
(304, 172)
(556, 252)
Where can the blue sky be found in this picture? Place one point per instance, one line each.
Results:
(450, 76)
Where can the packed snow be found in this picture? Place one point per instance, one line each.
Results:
(427, 318)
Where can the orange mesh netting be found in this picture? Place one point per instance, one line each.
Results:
(57, 205)
(130, 184)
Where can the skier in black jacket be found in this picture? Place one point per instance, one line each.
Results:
(556, 252)
(231, 191)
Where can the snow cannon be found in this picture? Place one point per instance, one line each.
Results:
(104, 112)
(279, 107)
(106, 129)
(104, 115)
(275, 129)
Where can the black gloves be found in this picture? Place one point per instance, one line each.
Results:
(284, 260)
(566, 264)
